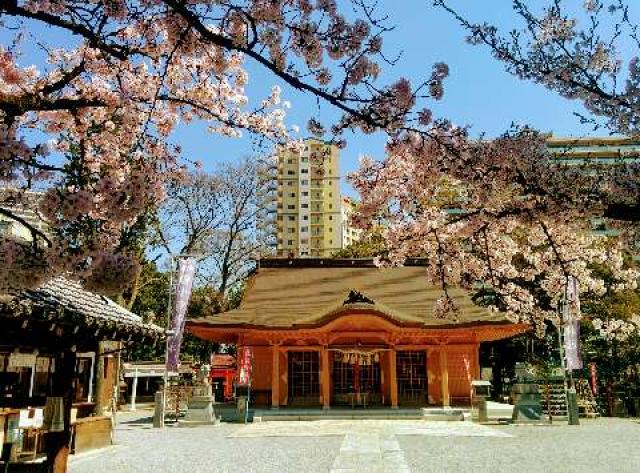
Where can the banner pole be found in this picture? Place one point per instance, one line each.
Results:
(165, 377)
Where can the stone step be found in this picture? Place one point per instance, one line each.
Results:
(435, 414)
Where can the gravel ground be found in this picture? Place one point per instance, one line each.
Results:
(604, 445)
(206, 450)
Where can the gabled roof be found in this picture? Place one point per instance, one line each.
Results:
(222, 361)
(310, 292)
(66, 301)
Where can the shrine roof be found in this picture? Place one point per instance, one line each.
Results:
(66, 301)
(222, 361)
(302, 293)
(59, 299)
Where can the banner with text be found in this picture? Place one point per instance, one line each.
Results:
(572, 325)
(184, 284)
(246, 361)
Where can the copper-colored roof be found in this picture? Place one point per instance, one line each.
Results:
(295, 295)
(222, 360)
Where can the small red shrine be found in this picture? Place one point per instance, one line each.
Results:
(329, 332)
(223, 372)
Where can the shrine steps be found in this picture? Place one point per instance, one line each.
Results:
(293, 414)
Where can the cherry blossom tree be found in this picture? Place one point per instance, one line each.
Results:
(92, 120)
(587, 53)
(519, 231)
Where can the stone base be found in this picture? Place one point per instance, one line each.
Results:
(527, 400)
(200, 412)
(527, 413)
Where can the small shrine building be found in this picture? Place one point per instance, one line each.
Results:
(328, 332)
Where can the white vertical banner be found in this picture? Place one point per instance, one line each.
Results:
(184, 284)
(571, 316)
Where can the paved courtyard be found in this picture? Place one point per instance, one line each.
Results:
(370, 446)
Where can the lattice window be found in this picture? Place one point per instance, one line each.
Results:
(412, 376)
(370, 378)
(342, 377)
(304, 374)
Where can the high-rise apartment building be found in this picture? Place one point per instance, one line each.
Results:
(350, 234)
(309, 214)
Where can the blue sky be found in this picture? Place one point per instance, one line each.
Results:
(478, 92)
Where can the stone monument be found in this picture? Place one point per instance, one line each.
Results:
(200, 407)
(526, 395)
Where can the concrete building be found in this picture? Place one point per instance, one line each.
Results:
(309, 217)
(350, 235)
(594, 150)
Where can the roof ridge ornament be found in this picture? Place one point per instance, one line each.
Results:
(356, 297)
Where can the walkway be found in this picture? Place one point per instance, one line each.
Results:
(369, 446)
(372, 446)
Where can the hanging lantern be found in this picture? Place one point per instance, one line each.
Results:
(376, 357)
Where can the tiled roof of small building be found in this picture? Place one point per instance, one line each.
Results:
(66, 300)
(222, 360)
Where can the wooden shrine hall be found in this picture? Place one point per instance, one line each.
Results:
(327, 332)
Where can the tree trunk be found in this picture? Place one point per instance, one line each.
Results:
(57, 444)
(609, 398)
(135, 288)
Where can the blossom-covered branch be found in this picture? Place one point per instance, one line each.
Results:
(576, 52)
(501, 217)
(92, 121)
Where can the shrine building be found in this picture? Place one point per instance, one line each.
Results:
(330, 332)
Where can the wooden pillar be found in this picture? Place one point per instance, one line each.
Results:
(325, 378)
(99, 407)
(134, 391)
(444, 371)
(393, 379)
(476, 358)
(57, 444)
(92, 373)
(275, 376)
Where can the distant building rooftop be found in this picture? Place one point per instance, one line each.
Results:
(595, 150)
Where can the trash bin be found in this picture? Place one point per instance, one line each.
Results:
(480, 392)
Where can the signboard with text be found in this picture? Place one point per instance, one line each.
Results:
(245, 368)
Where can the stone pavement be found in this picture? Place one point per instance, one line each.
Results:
(370, 452)
(371, 446)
